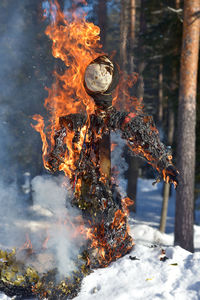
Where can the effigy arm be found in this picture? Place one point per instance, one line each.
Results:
(69, 125)
(143, 139)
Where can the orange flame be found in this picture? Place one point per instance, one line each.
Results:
(27, 245)
(126, 202)
(123, 98)
(44, 245)
(40, 128)
(113, 146)
(76, 43)
(106, 253)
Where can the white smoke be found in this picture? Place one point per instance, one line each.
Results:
(11, 209)
(52, 225)
(11, 45)
(51, 197)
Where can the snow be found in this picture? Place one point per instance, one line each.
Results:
(146, 277)
(4, 297)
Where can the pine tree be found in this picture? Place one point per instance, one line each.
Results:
(186, 125)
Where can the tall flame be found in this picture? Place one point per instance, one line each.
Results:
(76, 43)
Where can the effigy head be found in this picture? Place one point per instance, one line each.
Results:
(101, 78)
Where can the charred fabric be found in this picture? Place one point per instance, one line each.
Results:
(94, 193)
(93, 190)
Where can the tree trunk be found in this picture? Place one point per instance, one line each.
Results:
(166, 189)
(123, 34)
(170, 133)
(178, 3)
(133, 161)
(171, 125)
(141, 65)
(132, 32)
(102, 20)
(160, 93)
(186, 126)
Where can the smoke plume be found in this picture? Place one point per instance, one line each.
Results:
(51, 197)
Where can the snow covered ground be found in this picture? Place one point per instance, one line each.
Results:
(147, 278)
(144, 276)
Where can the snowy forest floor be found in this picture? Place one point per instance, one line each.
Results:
(140, 274)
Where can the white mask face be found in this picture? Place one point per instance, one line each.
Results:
(98, 76)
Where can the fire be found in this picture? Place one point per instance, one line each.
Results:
(44, 245)
(166, 177)
(113, 146)
(126, 202)
(76, 43)
(40, 128)
(106, 253)
(122, 93)
(27, 245)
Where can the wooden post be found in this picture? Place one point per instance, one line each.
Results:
(105, 155)
(163, 219)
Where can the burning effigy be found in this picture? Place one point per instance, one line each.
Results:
(82, 113)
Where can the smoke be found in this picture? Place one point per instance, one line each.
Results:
(51, 197)
(14, 43)
(11, 210)
(118, 162)
(26, 67)
(11, 41)
(11, 54)
(51, 227)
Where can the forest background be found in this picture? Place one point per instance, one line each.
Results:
(144, 36)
